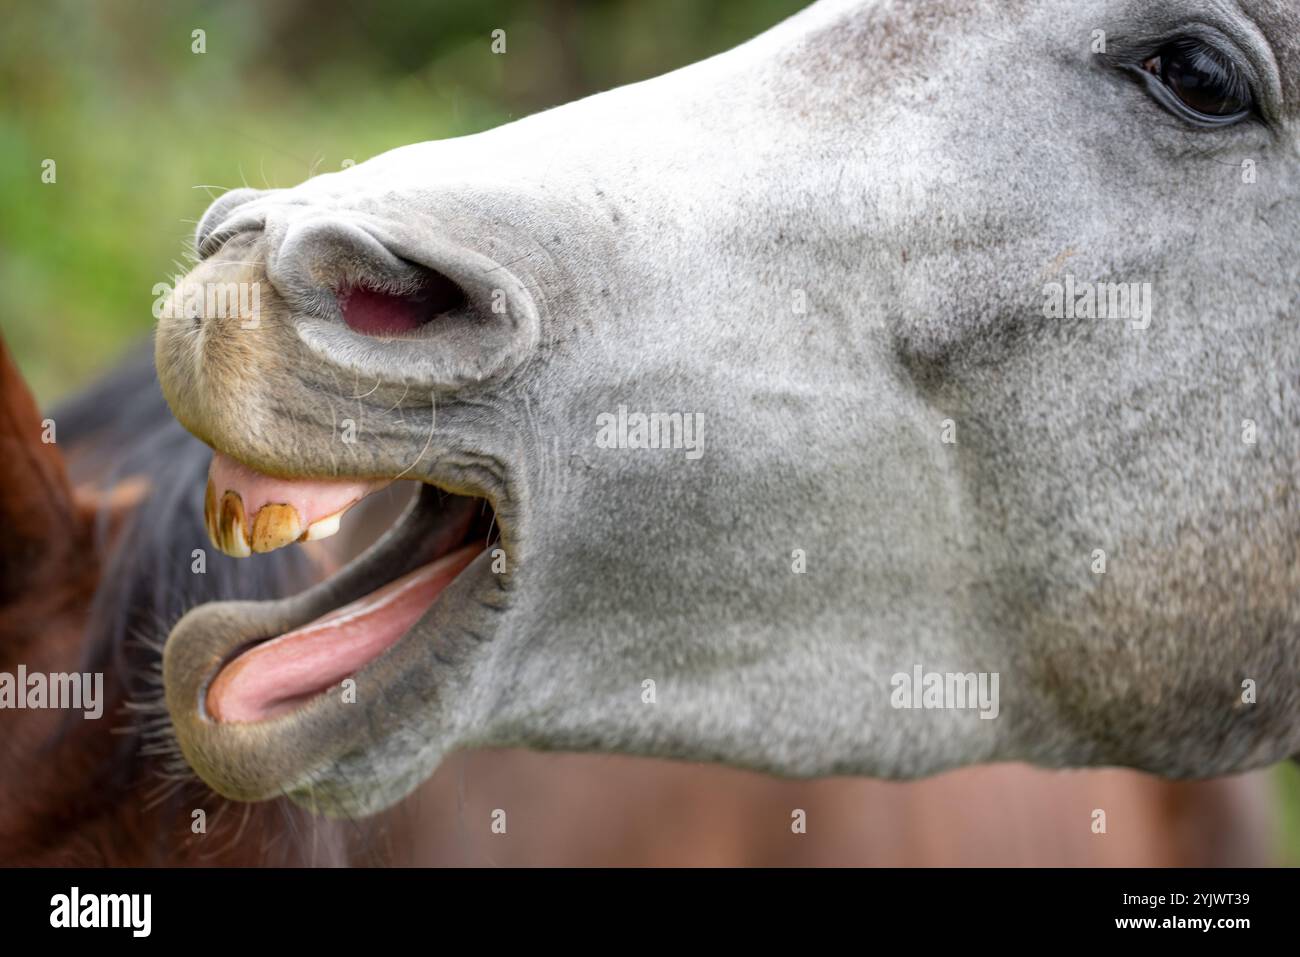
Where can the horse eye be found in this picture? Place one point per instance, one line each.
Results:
(1202, 79)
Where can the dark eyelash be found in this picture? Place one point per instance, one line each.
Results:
(1213, 61)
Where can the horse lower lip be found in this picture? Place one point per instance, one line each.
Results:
(278, 675)
(251, 760)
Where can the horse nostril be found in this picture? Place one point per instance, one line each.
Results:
(377, 312)
(434, 311)
(206, 240)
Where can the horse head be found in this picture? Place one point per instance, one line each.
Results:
(912, 386)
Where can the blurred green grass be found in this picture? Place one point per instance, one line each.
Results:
(146, 132)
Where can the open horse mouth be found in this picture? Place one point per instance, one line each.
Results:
(300, 695)
(364, 609)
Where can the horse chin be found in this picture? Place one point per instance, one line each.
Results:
(267, 697)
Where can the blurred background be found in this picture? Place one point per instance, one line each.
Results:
(144, 132)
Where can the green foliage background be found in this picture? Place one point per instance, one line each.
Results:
(146, 132)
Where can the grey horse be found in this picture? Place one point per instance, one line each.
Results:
(913, 386)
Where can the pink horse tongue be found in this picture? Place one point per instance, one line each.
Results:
(279, 675)
(247, 511)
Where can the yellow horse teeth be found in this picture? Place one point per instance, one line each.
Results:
(274, 525)
(224, 518)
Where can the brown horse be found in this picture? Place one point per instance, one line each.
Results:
(99, 559)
